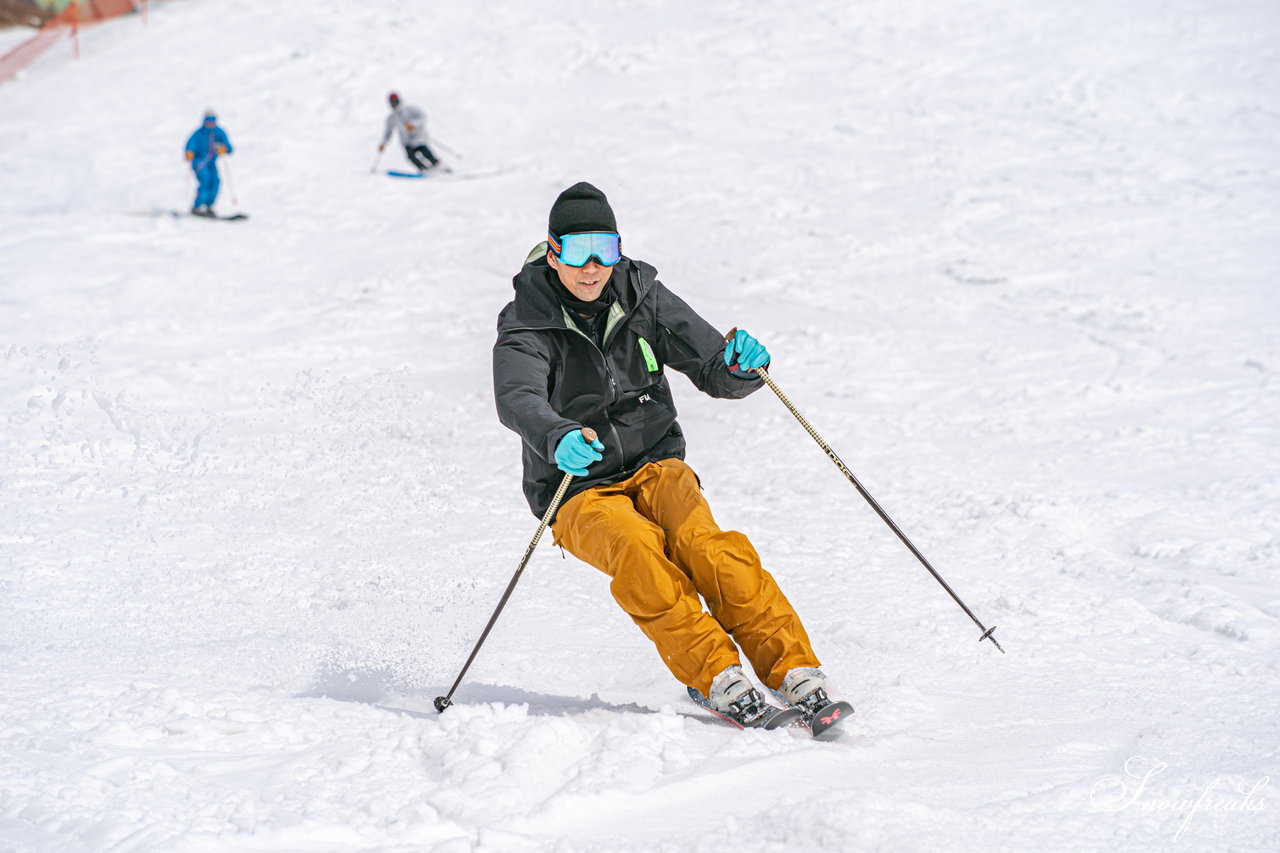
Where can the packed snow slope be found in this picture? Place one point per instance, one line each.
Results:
(1016, 262)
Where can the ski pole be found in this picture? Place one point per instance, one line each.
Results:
(884, 516)
(376, 158)
(231, 185)
(446, 700)
(446, 149)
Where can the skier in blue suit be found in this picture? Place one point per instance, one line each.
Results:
(203, 148)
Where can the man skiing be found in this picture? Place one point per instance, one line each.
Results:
(585, 343)
(411, 123)
(203, 147)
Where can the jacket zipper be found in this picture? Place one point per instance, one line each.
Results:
(601, 350)
(604, 359)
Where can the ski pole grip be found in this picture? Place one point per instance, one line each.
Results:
(729, 337)
(589, 434)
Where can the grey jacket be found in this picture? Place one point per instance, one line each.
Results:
(410, 122)
(549, 378)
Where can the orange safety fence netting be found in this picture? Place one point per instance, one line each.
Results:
(77, 14)
(92, 11)
(29, 51)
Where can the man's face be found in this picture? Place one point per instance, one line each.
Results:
(584, 282)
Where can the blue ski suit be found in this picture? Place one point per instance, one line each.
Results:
(203, 148)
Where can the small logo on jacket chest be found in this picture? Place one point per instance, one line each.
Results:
(645, 398)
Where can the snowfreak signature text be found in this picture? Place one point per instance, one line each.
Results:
(1133, 790)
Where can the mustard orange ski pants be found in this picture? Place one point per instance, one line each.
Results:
(654, 535)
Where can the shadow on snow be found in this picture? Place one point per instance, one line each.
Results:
(379, 687)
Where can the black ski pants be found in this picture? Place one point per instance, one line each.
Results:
(421, 156)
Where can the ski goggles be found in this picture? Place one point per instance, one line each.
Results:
(575, 250)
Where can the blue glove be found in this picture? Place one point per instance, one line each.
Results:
(747, 352)
(574, 454)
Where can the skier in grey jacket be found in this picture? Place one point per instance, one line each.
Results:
(585, 343)
(411, 123)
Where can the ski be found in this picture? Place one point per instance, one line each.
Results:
(233, 217)
(826, 722)
(445, 173)
(778, 718)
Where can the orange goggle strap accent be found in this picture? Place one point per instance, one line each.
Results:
(557, 247)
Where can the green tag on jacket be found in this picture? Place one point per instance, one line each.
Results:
(649, 360)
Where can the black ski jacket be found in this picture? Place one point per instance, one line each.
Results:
(550, 379)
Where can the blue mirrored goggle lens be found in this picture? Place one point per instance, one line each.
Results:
(577, 249)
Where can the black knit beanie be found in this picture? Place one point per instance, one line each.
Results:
(579, 209)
